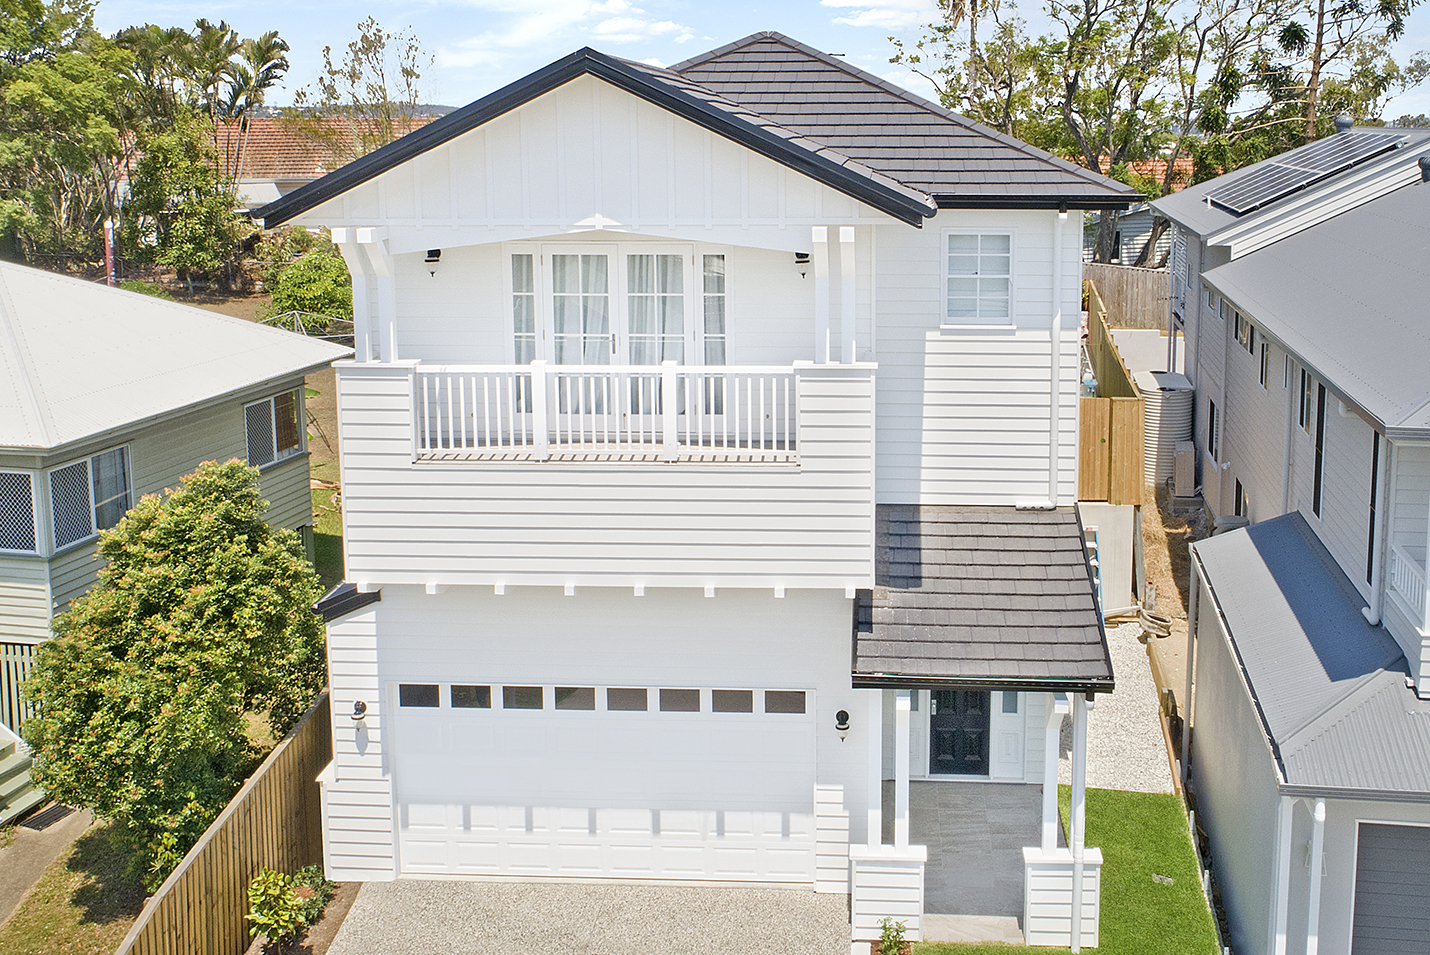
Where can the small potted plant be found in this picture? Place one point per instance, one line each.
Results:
(891, 939)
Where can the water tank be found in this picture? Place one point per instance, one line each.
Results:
(1168, 399)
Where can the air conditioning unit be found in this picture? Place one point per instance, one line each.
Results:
(1184, 470)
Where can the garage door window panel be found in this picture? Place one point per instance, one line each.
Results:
(575, 698)
(626, 699)
(522, 698)
(732, 701)
(784, 701)
(680, 701)
(418, 694)
(471, 697)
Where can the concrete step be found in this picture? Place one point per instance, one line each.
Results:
(23, 803)
(7, 747)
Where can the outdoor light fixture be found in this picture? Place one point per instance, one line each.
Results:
(801, 262)
(359, 711)
(433, 257)
(841, 723)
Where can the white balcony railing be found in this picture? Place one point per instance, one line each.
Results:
(1407, 578)
(619, 412)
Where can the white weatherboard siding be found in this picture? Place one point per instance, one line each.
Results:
(722, 525)
(700, 796)
(24, 599)
(585, 156)
(964, 411)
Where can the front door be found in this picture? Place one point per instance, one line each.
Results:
(958, 733)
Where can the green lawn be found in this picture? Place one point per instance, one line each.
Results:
(1140, 835)
(327, 536)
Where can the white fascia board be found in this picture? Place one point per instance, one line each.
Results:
(1316, 205)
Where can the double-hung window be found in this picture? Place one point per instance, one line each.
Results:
(978, 278)
(274, 428)
(17, 512)
(89, 496)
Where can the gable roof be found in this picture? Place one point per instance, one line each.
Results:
(1329, 687)
(964, 164)
(661, 87)
(78, 359)
(1365, 269)
(980, 597)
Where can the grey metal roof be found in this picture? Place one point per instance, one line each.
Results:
(980, 596)
(1349, 296)
(917, 142)
(78, 359)
(1190, 207)
(1330, 687)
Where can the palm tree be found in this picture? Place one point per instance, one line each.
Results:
(261, 63)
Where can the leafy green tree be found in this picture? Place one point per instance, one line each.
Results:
(200, 620)
(315, 282)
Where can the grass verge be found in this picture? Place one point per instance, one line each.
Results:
(328, 535)
(1140, 835)
(83, 904)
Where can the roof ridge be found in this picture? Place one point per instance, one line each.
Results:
(907, 96)
(10, 333)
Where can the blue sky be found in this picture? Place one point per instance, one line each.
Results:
(480, 45)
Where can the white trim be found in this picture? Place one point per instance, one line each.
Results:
(34, 518)
(300, 410)
(1011, 321)
(94, 529)
(1355, 862)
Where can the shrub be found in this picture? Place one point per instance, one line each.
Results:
(274, 909)
(201, 619)
(315, 282)
(146, 288)
(891, 939)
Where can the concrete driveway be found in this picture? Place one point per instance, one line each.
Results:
(419, 917)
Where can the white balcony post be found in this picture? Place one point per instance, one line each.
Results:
(346, 241)
(540, 434)
(669, 408)
(821, 294)
(381, 267)
(902, 705)
(846, 295)
(875, 720)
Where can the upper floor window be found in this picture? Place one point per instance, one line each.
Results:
(1265, 362)
(1307, 398)
(1245, 332)
(1213, 302)
(1212, 443)
(17, 512)
(273, 428)
(979, 277)
(714, 309)
(89, 496)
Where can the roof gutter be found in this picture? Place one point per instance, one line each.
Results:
(1086, 203)
(1351, 792)
(895, 681)
(587, 61)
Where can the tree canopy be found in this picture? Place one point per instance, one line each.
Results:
(199, 628)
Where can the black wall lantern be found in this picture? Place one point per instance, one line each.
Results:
(433, 257)
(801, 262)
(841, 723)
(359, 711)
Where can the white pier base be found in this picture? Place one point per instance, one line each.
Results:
(1048, 896)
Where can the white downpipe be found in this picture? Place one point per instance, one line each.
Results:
(1190, 662)
(875, 719)
(902, 705)
(820, 238)
(1292, 386)
(849, 350)
(1055, 337)
(1078, 813)
(1313, 905)
(1283, 875)
(1385, 495)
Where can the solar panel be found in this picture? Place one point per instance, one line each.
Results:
(1301, 167)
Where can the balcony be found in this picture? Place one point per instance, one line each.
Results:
(1407, 578)
(618, 414)
(610, 476)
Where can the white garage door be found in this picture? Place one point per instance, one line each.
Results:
(673, 783)
(1392, 902)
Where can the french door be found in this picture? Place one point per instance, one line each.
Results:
(958, 732)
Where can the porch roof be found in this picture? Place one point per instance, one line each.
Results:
(980, 597)
(1329, 687)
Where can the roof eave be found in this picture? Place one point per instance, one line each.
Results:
(583, 62)
(888, 681)
(1058, 202)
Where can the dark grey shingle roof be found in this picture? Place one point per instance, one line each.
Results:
(1330, 687)
(917, 142)
(980, 596)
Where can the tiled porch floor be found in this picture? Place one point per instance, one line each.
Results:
(975, 833)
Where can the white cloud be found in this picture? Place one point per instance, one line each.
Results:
(886, 14)
(525, 25)
(634, 29)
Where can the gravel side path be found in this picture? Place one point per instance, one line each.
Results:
(1125, 749)
(420, 917)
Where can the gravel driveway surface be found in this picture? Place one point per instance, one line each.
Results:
(422, 917)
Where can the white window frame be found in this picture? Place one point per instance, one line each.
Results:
(980, 322)
(34, 516)
(300, 405)
(88, 462)
(616, 253)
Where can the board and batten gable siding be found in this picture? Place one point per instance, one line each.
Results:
(598, 637)
(24, 599)
(609, 524)
(964, 411)
(588, 155)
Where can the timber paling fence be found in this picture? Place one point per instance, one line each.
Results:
(274, 822)
(1110, 442)
(16, 659)
(1135, 298)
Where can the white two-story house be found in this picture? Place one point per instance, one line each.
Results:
(707, 425)
(1300, 292)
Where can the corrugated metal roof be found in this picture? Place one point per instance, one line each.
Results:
(917, 142)
(980, 596)
(80, 359)
(1364, 272)
(1330, 687)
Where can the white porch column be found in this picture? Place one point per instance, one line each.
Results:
(346, 241)
(901, 770)
(1282, 887)
(875, 719)
(848, 344)
(380, 261)
(1058, 707)
(1313, 905)
(1076, 837)
(820, 236)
